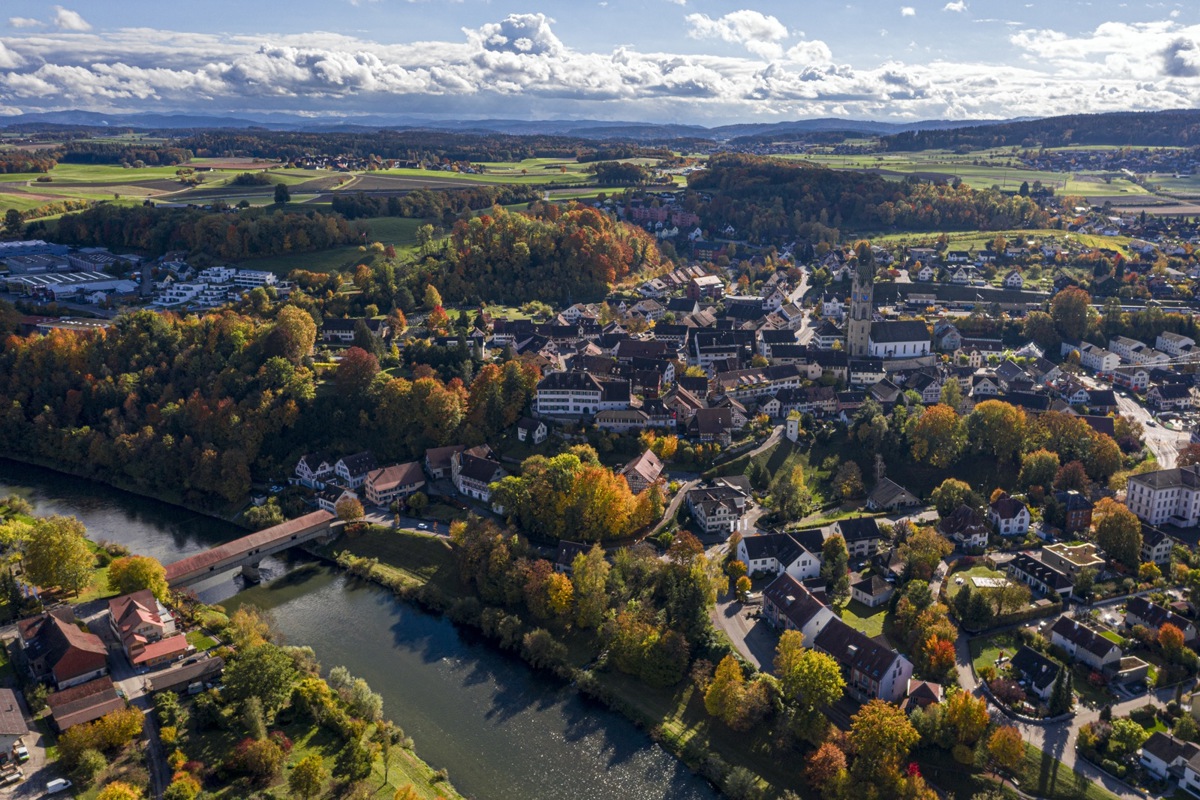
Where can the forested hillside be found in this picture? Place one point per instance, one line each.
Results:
(771, 199)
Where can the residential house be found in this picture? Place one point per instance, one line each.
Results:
(146, 629)
(712, 425)
(437, 460)
(718, 510)
(966, 527)
(1077, 510)
(871, 670)
(1013, 280)
(1169, 396)
(789, 605)
(946, 336)
(922, 694)
(872, 591)
(1027, 568)
(59, 652)
(643, 472)
(353, 469)
(575, 394)
(926, 273)
(795, 553)
(1172, 759)
(1166, 495)
(314, 469)
(564, 560)
(1009, 516)
(342, 330)
(531, 430)
(328, 498)
(1156, 545)
(1124, 347)
(861, 534)
(83, 703)
(1098, 359)
(1085, 644)
(1174, 344)
(1140, 611)
(1135, 379)
(626, 421)
(388, 484)
(827, 335)
(1071, 559)
(473, 471)
(1039, 672)
(12, 722)
(890, 496)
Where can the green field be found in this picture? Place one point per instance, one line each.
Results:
(333, 259)
(986, 649)
(981, 571)
(864, 619)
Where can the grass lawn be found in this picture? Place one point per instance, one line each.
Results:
(1089, 695)
(980, 571)
(1113, 637)
(986, 649)
(201, 640)
(1045, 776)
(414, 557)
(862, 618)
(444, 513)
(335, 258)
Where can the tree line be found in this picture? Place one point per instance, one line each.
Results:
(445, 205)
(1178, 128)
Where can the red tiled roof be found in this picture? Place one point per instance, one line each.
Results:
(173, 645)
(237, 547)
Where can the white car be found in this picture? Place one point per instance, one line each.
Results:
(21, 753)
(58, 785)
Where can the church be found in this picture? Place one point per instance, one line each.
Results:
(866, 338)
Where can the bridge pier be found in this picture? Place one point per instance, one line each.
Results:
(251, 572)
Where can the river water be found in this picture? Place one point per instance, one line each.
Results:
(502, 731)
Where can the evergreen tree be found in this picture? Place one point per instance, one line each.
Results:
(1061, 694)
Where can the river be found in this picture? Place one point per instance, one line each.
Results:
(502, 731)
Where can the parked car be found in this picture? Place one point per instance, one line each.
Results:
(21, 753)
(12, 777)
(58, 785)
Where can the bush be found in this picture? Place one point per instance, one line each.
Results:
(89, 764)
(963, 754)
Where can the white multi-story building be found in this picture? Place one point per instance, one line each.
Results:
(1174, 344)
(216, 275)
(576, 394)
(1167, 495)
(179, 293)
(253, 278)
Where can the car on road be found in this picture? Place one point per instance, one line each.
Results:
(1151, 423)
(422, 526)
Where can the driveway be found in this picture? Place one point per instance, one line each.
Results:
(751, 636)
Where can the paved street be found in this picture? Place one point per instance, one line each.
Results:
(1164, 443)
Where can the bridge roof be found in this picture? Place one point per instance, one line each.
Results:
(238, 547)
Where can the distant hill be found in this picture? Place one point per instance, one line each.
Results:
(1179, 128)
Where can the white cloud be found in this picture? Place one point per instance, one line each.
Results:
(908, 11)
(955, 5)
(68, 20)
(759, 33)
(24, 22)
(9, 59)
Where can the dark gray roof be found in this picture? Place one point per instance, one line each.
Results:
(570, 381)
(1179, 477)
(1037, 669)
(858, 529)
(854, 650)
(1024, 562)
(872, 585)
(899, 331)
(360, 463)
(1083, 636)
(1154, 615)
(793, 600)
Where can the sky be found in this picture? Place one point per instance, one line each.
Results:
(706, 62)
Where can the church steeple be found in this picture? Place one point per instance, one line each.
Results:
(862, 305)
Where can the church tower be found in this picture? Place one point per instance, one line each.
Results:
(862, 306)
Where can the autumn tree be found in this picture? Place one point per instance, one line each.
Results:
(923, 551)
(134, 573)
(968, 716)
(119, 790)
(848, 480)
(938, 436)
(349, 509)
(882, 737)
(807, 678)
(826, 763)
(308, 778)
(1170, 639)
(433, 298)
(1071, 476)
(726, 693)
(1038, 468)
(792, 498)
(56, 553)
(1118, 532)
(355, 372)
(952, 493)
(266, 672)
(1069, 309)
(996, 428)
(1189, 455)
(1006, 748)
(589, 576)
(292, 336)
(835, 561)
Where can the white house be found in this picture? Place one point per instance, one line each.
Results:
(788, 605)
(1166, 495)
(1009, 516)
(353, 469)
(1084, 643)
(1013, 280)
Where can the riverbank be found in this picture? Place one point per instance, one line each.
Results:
(419, 568)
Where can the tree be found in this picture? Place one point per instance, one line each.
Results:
(882, 737)
(792, 498)
(119, 790)
(952, 493)
(1127, 736)
(826, 763)
(282, 194)
(355, 372)
(1084, 581)
(968, 715)
(354, 760)
(1006, 748)
(1009, 597)
(1071, 476)
(922, 552)
(951, 395)
(292, 336)
(433, 298)
(835, 561)
(134, 573)
(723, 699)
(349, 509)
(12, 222)
(997, 428)
(1062, 695)
(1069, 309)
(938, 436)
(57, 554)
(1149, 572)
(308, 777)
(1170, 639)
(266, 672)
(1118, 532)
(1038, 469)
(807, 678)
(848, 481)
(1188, 455)
(589, 575)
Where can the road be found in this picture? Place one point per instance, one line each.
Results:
(1164, 443)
